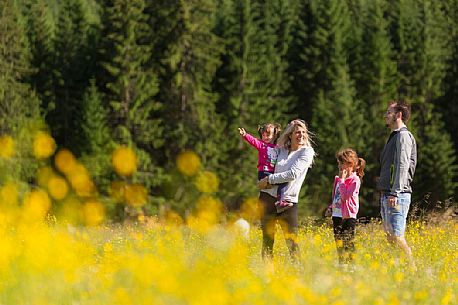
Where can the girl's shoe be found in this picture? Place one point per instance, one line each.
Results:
(283, 205)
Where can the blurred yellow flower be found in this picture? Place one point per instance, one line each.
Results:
(36, 205)
(173, 218)
(81, 181)
(57, 187)
(251, 209)
(124, 161)
(399, 276)
(93, 212)
(188, 163)
(207, 182)
(43, 145)
(136, 194)
(43, 175)
(9, 194)
(6, 146)
(207, 214)
(70, 211)
(65, 161)
(421, 295)
(117, 189)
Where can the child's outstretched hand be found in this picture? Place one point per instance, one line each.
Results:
(242, 131)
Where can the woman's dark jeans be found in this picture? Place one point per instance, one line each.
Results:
(287, 220)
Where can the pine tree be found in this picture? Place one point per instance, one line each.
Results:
(422, 43)
(41, 35)
(19, 107)
(374, 71)
(305, 60)
(71, 69)
(437, 170)
(98, 144)
(337, 118)
(131, 85)
(252, 80)
(190, 56)
(449, 102)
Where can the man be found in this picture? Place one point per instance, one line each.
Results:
(398, 160)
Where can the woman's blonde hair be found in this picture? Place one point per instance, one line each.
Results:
(285, 137)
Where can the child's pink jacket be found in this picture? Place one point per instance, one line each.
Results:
(349, 193)
(267, 156)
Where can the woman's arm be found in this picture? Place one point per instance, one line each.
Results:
(302, 163)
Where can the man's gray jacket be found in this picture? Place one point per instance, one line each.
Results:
(398, 161)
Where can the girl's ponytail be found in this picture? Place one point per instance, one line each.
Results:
(360, 167)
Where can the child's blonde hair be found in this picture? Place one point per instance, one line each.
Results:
(349, 156)
(277, 130)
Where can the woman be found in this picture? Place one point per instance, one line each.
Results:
(295, 156)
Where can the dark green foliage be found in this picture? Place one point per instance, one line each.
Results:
(374, 70)
(436, 163)
(337, 117)
(19, 107)
(252, 79)
(98, 144)
(423, 48)
(166, 76)
(72, 62)
(449, 102)
(189, 60)
(131, 86)
(40, 34)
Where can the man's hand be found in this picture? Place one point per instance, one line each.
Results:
(392, 201)
(242, 131)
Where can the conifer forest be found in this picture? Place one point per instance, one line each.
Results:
(164, 77)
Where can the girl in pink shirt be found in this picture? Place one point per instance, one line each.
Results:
(345, 202)
(267, 154)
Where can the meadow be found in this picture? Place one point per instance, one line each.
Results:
(162, 262)
(58, 246)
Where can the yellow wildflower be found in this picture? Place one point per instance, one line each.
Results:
(207, 182)
(124, 161)
(36, 205)
(94, 213)
(188, 163)
(57, 187)
(65, 161)
(6, 146)
(43, 145)
(136, 195)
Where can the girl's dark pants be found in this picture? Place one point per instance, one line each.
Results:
(344, 234)
(287, 220)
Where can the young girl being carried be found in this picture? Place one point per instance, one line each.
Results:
(345, 202)
(267, 155)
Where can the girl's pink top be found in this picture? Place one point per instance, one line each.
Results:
(267, 154)
(349, 192)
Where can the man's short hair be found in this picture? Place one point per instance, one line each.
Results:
(403, 107)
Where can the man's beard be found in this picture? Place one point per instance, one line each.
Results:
(393, 120)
